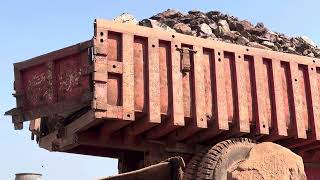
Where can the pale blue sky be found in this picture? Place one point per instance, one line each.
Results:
(33, 27)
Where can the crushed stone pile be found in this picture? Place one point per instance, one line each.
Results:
(222, 27)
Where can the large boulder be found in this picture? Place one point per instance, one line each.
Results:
(269, 161)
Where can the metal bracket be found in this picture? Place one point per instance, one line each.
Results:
(100, 105)
(100, 50)
(17, 118)
(185, 55)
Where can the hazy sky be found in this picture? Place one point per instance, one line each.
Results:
(30, 28)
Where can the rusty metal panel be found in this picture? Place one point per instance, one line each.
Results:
(70, 81)
(37, 88)
(53, 83)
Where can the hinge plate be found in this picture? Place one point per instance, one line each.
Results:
(185, 55)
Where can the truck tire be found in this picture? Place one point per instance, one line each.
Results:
(190, 173)
(223, 158)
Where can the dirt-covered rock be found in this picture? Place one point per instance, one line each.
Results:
(269, 161)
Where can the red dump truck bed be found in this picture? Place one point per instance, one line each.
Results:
(131, 86)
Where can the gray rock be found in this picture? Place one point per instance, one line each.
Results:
(225, 26)
(219, 31)
(311, 54)
(147, 23)
(257, 45)
(196, 13)
(246, 34)
(306, 52)
(126, 18)
(169, 22)
(259, 31)
(243, 25)
(242, 40)
(308, 41)
(207, 36)
(280, 40)
(155, 24)
(268, 44)
(213, 26)
(261, 39)
(205, 28)
(194, 33)
(316, 52)
(182, 28)
(212, 36)
(230, 36)
(213, 13)
(169, 13)
(260, 25)
(271, 36)
(186, 19)
(291, 50)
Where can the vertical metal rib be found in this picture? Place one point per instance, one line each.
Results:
(279, 125)
(220, 99)
(154, 81)
(243, 124)
(299, 126)
(176, 88)
(128, 77)
(262, 125)
(199, 88)
(315, 102)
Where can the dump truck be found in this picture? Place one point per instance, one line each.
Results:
(143, 95)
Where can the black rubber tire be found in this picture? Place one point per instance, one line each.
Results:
(190, 173)
(223, 157)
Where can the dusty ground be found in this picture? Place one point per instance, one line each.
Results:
(278, 163)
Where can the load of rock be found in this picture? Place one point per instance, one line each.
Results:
(218, 26)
